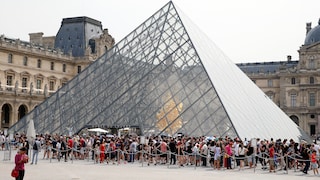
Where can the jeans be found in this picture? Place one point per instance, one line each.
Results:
(21, 175)
(306, 167)
(173, 158)
(132, 154)
(35, 154)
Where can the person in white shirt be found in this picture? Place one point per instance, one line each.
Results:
(204, 153)
(242, 152)
(217, 154)
(236, 151)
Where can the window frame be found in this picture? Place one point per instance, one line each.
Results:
(10, 58)
(25, 61)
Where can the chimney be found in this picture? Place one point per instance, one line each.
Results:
(308, 27)
(289, 58)
(36, 38)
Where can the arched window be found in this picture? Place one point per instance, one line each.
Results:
(295, 119)
(22, 111)
(6, 115)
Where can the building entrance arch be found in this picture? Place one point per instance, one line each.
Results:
(6, 115)
(22, 111)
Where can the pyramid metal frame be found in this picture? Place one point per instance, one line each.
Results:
(156, 79)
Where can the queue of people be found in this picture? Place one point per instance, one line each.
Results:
(215, 152)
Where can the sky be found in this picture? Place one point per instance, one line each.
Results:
(245, 30)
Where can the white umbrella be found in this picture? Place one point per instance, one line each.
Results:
(109, 135)
(98, 130)
(31, 132)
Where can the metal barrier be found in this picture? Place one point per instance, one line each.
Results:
(145, 155)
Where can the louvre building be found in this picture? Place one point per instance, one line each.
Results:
(165, 77)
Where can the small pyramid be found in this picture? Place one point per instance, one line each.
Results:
(165, 77)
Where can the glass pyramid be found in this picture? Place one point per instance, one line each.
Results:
(165, 77)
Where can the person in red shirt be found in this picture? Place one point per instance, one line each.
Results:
(314, 162)
(20, 159)
(102, 151)
(271, 158)
(70, 146)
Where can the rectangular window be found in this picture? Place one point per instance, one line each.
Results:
(38, 86)
(311, 80)
(25, 61)
(79, 69)
(52, 66)
(9, 83)
(270, 84)
(51, 86)
(24, 84)
(312, 64)
(312, 99)
(64, 67)
(39, 63)
(10, 56)
(293, 100)
(312, 129)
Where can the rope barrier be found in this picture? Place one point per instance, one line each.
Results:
(147, 156)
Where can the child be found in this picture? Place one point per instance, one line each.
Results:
(314, 163)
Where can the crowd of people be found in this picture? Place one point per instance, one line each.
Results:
(215, 152)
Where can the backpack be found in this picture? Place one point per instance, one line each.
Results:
(35, 147)
(84, 144)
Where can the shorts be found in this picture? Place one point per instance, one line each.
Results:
(314, 165)
(163, 155)
(271, 162)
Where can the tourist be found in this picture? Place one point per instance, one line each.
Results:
(36, 148)
(102, 148)
(20, 159)
(204, 153)
(228, 153)
(271, 158)
(173, 151)
(314, 163)
(241, 155)
(306, 159)
(217, 155)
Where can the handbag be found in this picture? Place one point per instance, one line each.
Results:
(14, 173)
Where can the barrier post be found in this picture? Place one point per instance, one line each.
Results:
(287, 162)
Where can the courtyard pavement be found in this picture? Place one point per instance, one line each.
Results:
(88, 170)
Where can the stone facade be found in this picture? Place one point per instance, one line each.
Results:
(32, 71)
(293, 85)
